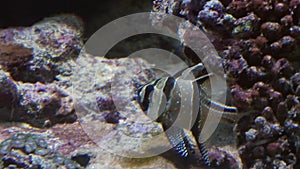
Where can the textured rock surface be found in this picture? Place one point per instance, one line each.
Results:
(31, 58)
(27, 150)
(37, 104)
(8, 94)
(70, 141)
(40, 52)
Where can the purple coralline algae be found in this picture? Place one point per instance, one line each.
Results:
(258, 42)
(31, 58)
(45, 105)
(40, 52)
(37, 104)
(222, 158)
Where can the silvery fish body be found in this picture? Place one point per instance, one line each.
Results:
(177, 103)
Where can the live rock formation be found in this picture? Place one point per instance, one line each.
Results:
(258, 42)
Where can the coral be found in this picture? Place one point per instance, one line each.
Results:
(245, 27)
(40, 52)
(272, 123)
(266, 144)
(271, 30)
(295, 79)
(24, 150)
(292, 127)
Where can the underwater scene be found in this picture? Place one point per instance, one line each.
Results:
(150, 84)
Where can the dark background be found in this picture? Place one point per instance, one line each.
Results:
(94, 13)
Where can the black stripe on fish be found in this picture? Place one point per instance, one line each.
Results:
(166, 117)
(144, 94)
(218, 106)
(169, 85)
(229, 114)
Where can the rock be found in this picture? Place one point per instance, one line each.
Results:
(40, 155)
(9, 96)
(40, 52)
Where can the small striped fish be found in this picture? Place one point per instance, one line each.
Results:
(164, 100)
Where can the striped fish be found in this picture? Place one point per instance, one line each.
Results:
(167, 99)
